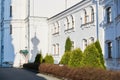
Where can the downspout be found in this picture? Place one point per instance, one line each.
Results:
(29, 26)
(2, 32)
(97, 20)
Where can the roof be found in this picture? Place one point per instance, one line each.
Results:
(67, 9)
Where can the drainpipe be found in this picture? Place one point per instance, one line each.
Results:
(97, 20)
(28, 27)
(2, 32)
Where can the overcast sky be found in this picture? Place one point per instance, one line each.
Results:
(52, 7)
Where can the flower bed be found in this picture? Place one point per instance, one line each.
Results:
(78, 73)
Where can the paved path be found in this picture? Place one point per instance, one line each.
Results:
(21, 74)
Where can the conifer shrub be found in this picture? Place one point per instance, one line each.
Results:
(65, 58)
(97, 45)
(75, 58)
(38, 58)
(48, 59)
(91, 57)
(68, 45)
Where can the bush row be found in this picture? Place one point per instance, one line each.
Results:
(78, 73)
(47, 59)
(38, 60)
(91, 57)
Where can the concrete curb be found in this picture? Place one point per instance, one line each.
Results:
(48, 77)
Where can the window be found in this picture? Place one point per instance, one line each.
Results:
(57, 25)
(10, 11)
(10, 29)
(72, 21)
(118, 46)
(67, 23)
(85, 17)
(84, 43)
(91, 40)
(109, 49)
(54, 49)
(55, 28)
(72, 45)
(109, 15)
(92, 14)
(57, 49)
(118, 6)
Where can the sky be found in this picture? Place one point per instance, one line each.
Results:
(50, 8)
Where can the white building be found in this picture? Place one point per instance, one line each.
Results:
(22, 29)
(77, 22)
(26, 28)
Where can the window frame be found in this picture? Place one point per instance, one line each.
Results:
(10, 10)
(109, 14)
(10, 28)
(109, 49)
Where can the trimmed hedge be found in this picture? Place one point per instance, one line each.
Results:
(75, 58)
(32, 66)
(65, 58)
(85, 73)
(49, 59)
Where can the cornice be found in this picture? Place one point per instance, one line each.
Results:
(70, 10)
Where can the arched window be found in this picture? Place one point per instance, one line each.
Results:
(117, 7)
(54, 29)
(57, 25)
(10, 29)
(109, 14)
(72, 21)
(54, 49)
(57, 49)
(84, 43)
(72, 45)
(92, 14)
(91, 40)
(109, 45)
(67, 22)
(10, 10)
(85, 16)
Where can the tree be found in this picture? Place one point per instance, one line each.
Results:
(91, 57)
(49, 59)
(75, 58)
(65, 58)
(38, 58)
(68, 45)
(97, 45)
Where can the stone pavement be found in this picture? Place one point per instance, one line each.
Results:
(21, 74)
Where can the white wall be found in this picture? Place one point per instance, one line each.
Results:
(77, 34)
(38, 36)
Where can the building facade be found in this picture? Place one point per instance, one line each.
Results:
(78, 22)
(23, 28)
(111, 25)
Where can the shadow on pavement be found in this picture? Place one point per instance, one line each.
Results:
(18, 74)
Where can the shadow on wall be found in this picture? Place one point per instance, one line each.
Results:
(35, 41)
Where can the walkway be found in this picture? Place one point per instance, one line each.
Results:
(21, 74)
